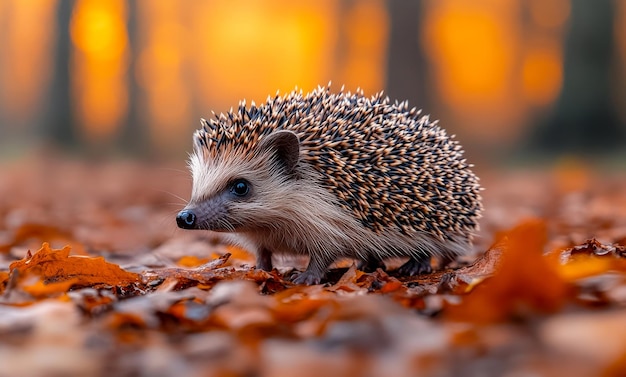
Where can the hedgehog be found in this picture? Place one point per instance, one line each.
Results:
(333, 175)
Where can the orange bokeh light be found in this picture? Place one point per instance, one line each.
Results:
(542, 73)
(99, 60)
(472, 45)
(248, 49)
(162, 70)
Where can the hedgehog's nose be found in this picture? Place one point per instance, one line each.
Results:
(186, 219)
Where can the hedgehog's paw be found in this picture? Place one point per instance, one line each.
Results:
(415, 266)
(308, 278)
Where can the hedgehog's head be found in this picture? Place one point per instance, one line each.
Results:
(241, 188)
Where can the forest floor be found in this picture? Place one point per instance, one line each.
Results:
(96, 279)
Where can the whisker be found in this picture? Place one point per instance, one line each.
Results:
(171, 194)
(173, 170)
(174, 204)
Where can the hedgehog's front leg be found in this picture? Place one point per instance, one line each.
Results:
(315, 271)
(264, 259)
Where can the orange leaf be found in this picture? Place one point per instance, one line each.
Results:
(42, 290)
(524, 281)
(191, 261)
(57, 265)
(4, 278)
(391, 286)
(239, 253)
(592, 258)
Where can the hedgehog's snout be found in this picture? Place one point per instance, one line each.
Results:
(186, 219)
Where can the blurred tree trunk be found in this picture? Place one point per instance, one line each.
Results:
(407, 66)
(60, 127)
(584, 120)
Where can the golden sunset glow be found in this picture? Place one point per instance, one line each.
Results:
(250, 49)
(27, 38)
(99, 35)
(472, 46)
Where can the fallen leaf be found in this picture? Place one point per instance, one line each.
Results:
(42, 290)
(4, 279)
(191, 261)
(57, 266)
(524, 282)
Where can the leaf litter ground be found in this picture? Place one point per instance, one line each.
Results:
(95, 279)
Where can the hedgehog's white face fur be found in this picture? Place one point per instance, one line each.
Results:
(243, 193)
(330, 176)
(219, 206)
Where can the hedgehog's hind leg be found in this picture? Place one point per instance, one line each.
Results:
(370, 264)
(416, 266)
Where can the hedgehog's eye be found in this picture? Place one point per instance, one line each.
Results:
(240, 187)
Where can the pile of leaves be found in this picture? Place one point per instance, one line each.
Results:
(96, 280)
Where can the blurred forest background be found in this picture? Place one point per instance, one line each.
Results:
(132, 78)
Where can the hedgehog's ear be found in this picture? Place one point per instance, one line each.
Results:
(286, 147)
